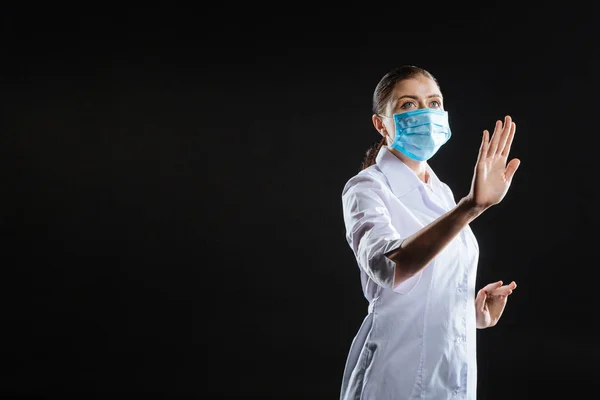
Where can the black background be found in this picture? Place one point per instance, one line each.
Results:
(172, 212)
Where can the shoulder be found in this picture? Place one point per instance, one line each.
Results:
(370, 179)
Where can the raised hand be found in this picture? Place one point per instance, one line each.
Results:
(490, 302)
(493, 176)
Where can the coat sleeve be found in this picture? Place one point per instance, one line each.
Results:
(371, 235)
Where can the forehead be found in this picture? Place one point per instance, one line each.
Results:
(419, 86)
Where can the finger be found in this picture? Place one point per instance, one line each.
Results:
(504, 290)
(509, 140)
(510, 287)
(511, 168)
(492, 286)
(485, 143)
(501, 292)
(508, 125)
(480, 300)
(495, 137)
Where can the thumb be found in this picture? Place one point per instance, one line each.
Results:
(480, 300)
(511, 168)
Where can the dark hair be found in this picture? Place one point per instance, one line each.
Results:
(381, 96)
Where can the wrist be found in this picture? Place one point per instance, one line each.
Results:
(468, 206)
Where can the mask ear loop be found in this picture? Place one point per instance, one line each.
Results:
(384, 132)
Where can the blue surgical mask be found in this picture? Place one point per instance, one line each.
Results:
(420, 133)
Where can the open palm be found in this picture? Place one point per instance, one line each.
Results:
(493, 175)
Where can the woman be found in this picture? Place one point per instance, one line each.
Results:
(416, 252)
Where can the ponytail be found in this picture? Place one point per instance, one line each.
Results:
(371, 154)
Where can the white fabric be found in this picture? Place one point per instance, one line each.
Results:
(417, 340)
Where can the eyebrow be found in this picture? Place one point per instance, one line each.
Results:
(416, 98)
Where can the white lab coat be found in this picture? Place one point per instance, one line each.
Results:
(417, 340)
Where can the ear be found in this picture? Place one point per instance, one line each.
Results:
(378, 124)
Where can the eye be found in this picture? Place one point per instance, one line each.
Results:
(435, 104)
(407, 105)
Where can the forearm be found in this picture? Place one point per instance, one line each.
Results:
(420, 248)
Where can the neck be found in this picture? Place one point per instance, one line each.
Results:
(418, 167)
